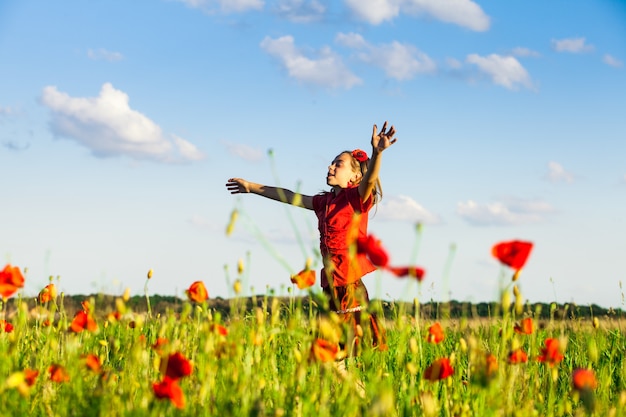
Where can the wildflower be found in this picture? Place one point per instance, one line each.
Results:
(11, 279)
(439, 369)
(178, 366)
(47, 294)
(517, 356)
(6, 326)
(93, 362)
(150, 272)
(551, 353)
(525, 326)
(584, 379)
(219, 329)
(304, 278)
(491, 365)
(513, 253)
(435, 333)
(30, 376)
(83, 321)
(324, 351)
(58, 373)
(408, 271)
(374, 250)
(168, 388)
(231, 224)
(159, 343)
(197, 292)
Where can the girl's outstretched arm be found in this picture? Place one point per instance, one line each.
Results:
(380, 141)
(241, 186)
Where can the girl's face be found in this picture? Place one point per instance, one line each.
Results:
(340, 173)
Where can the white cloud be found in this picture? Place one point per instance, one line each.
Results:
(513, 212)
(525, 52)
(401, 62)
(242, 151)
(109, 127)
(326, 70)
(404, 208)
(300, 11)
(503, 70)
(572, 45)
(556, 173)
(464, 13)
(612, 61)
(6, 111)
(225, 6)
(104, 55)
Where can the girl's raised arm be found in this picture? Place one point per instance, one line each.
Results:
(380, 141)
(241, 186)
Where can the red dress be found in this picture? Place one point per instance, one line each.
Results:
(342, 219)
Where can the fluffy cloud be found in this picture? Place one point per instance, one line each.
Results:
(104, 55)
(525, 52)
(109, 127)
(300, 11)
(612, 61)
(503, 70)
(325, 70)
(572, 45)
(242, 151)
(506, 213)
(464, 13)
(225, 6)
(399, 61)
(556, 173)
(403, 208)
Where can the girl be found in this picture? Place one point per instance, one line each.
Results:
(342, 216)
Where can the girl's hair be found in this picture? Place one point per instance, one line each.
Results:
(362, 168)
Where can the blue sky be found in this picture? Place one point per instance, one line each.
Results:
(121, 121)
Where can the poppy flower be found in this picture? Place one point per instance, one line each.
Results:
(439, 369)
(304, 279)
(83, 321)
(491, 365)
(58, 373)
(159, 343)
(517, 356)
(551, 353)
(169, 388)
(11, 280)
(178, 366)
(30, 376)
(93, 362)
(219, 329)
(197, 292)
(525, 326)
(6, 326)
(374, 250)
(324, 351)
(407, 271)
(513, 253)
(359, 155)
(435, 333)
(584, 379)
(47, 294)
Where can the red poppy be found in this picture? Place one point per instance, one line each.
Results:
(83, 321)
(11, 280)
(304, 278)
(551, 353)
(168, 388)
(525, 326)
(47, 294)
(58, 373)
(407, 271)
(159, 343)
(491, 365)
(518, 356)
(197, 292)
(584, 379)
(219, 329)
(439, 369)
(6, 326)
(93, 362)
(374, 250)
(435, 333)
(359, 155)
(30, 376)
(178, 366)
(324, 351)
(513, 253)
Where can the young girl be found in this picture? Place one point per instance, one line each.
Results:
(342, 216)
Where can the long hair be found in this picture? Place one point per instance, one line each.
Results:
(361, 167)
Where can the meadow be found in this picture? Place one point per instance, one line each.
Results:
(281, 356)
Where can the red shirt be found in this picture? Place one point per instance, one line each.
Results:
(341, 220)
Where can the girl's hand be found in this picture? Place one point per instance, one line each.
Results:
(238, 186)
(383, 139)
